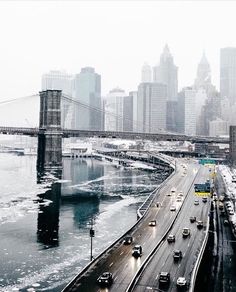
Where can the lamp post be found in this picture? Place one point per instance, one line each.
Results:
(91, 234)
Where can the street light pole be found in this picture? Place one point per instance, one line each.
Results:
(92, 234)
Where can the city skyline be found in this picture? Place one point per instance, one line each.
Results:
(117, 37)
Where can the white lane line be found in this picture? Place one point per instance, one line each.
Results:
(188, 244)
(115, 278)
(121, 253)
(111, 264)
(156, 276)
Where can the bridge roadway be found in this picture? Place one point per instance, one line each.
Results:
(119, 260)
(162, 261)
(67, 133)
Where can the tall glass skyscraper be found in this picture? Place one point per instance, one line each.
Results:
(87, 90)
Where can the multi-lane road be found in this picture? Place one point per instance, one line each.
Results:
(119, 260)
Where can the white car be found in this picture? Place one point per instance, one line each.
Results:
(196, 202)
(172, 208)
(181, 282)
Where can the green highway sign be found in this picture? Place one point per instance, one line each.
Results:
(205, 161)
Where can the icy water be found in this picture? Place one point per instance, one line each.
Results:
(45, 220)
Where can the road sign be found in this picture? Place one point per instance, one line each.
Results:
(202, 189)
(205, 161)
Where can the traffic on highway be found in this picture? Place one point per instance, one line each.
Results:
(167, 238)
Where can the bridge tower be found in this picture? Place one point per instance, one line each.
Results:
(50, 132)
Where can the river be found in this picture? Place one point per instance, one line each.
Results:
(45, 219)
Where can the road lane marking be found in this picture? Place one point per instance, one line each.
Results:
(111, 264)
(121, 253)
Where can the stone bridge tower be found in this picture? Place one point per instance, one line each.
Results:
(50, 132)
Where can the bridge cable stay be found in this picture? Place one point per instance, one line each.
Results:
(87, 106)
(17, 99)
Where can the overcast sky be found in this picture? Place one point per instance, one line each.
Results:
(115, 37)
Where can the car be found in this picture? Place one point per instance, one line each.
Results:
(164, 278)
(152, 223)
(105, 279)
(199, 224)
(128, 239)
(186, 232)
(192, 219)
(177, 255)
(137, 251)
(196, 202)
(221, 206)
(180, 193)
(226, 222)
(214, 198)
(158, 204)
(231, 212)
(204, 199)
(178, 199)
(181, 282)
(172, 208)
(171, 238)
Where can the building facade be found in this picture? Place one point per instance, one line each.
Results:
(114, 110)
(232, 145)
(152, 100)
(218, 127)
(228, 74)
(87, 92)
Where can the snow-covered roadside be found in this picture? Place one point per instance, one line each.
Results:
(228, 176)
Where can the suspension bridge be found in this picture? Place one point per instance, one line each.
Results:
(51, 130)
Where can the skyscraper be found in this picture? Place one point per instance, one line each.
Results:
(167, 73)
(114, 110)
(203, 79)
(187, 111)
(146, 73)
(151, 107)
(228, 74)
(87, 90)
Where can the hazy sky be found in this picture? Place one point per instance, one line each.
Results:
(115, 37)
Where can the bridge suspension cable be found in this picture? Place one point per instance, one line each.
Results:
(17, 99)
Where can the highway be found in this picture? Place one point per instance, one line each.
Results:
(119, 260)
(162, 261)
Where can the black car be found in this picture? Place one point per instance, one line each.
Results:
(128, 240)
(192, 219)
(105, 279)
(177, 255)
(199, 224)
(137, 251)
(164, 278)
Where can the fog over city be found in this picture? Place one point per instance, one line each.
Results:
(115, 38)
